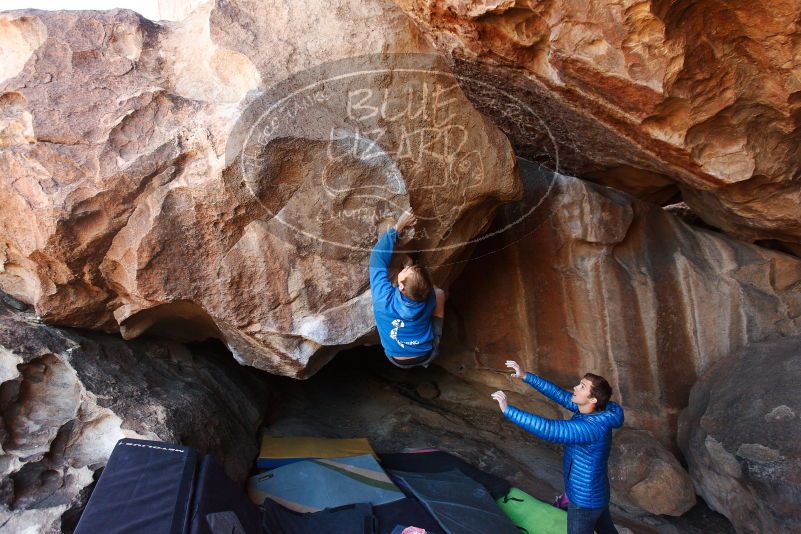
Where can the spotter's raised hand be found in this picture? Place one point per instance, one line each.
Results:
(500, 396)
(518, 371)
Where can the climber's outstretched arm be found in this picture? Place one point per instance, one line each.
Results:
(381, 256)
(380, 284)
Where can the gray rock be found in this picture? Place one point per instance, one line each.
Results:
(67, 397)
(742, 440)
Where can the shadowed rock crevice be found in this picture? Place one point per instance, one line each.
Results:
(181, 321)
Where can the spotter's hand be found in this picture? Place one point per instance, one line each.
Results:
(500, 396)
(518, 371)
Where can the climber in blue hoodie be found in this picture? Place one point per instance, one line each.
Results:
(587, 438)
(408, 316)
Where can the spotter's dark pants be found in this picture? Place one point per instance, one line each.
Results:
(587, 520)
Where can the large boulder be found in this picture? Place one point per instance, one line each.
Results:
(741, 436)
(66, 398)
(591, 279)
(158, 177)
(643, 475)
(646, 95)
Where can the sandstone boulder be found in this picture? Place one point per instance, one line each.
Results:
(590, 279)
(646, 96)
(742, 438)
(226, 175)
(644, 475)
(66, 398)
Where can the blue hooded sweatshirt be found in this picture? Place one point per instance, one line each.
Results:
(404, 325)
(587, 439)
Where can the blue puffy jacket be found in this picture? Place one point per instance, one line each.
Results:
(587, 439)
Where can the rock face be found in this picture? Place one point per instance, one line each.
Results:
(644, 475)
(645, 95)
(740, 435)
(67, 398)
(159, 178)
(594, 280)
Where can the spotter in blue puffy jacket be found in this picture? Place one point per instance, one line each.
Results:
(587, 438)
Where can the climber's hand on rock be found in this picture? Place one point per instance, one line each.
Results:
(500, 396)
(407, 220)
(518, 371)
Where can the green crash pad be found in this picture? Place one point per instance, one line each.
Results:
(531, 515)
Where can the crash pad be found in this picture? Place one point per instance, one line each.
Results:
(457, 502)
(313, 485)
(277, 451)
(532, 515)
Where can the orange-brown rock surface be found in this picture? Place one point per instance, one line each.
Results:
(594, 280)
(643, 94)
(140, 191)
